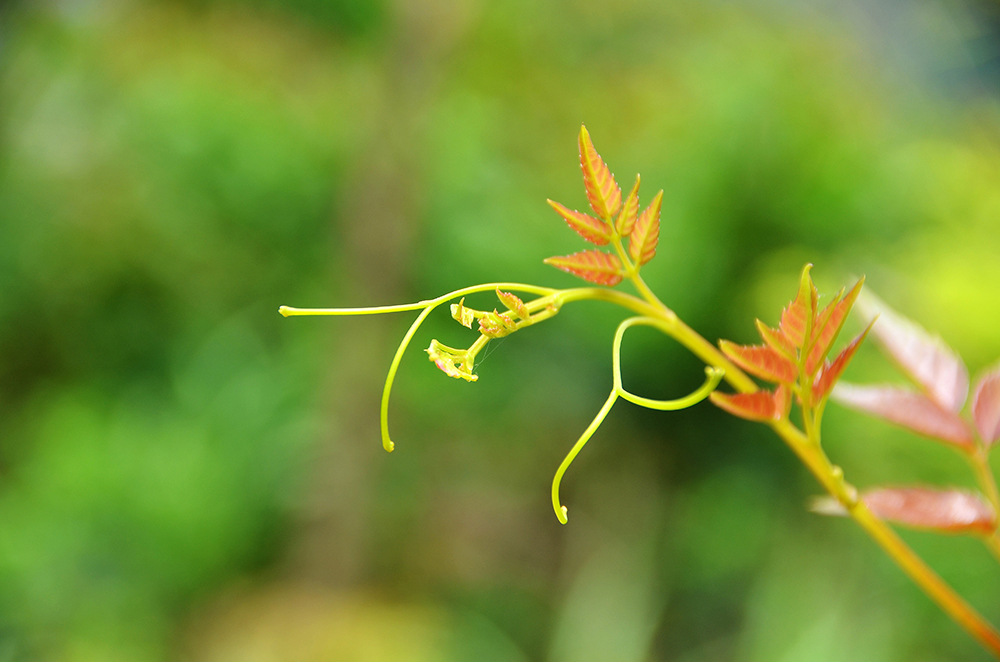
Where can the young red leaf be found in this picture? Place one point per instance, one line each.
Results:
(513, 304)
(986, 407)
(602, 189)
(831, 371)
(761, 361)
(950, 511)
(947, 511)
(782, 401)
(757, 406)
(646, 234)
(776, 340)
(630, 210)
(593, 230)
(799, 313)
(829, 324)
(909, 409)
(926, 360)
(594, 266)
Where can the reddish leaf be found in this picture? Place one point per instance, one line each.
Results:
(951, 511)
(829, 324)
(799, 313)
(947, 511)
(593, 230)
(926, 360)
(761, 361)
(626, 219)
(602, 189)
(782, 401)
(986, 407)
(909, 409)
(594, 266)
(646, 234)
(756, 406)
(513, 303)
(776, 340)
(831, 371)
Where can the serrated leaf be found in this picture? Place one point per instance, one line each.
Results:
(646, 233)
(757, 406)
(593, 230)
(496, 325)
(924, 358)
(602, 189)
(513, 304)
(760, 361)
(776, 340)
(629, 212)
(986, 407)
(829, 323)
(909, 409)
(593, 266)
(831, 371)
(947, 511)
(782, 401)
(799, 313)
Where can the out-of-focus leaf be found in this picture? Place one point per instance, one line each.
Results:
(831, 371)
(602, 189)
(986, 406)
(829, 324)
(946, 511)
(926, 359)
(776, 340)
(630, 210)
(646, 234)
(513, 303)
(782, 401)
(593, 230)
(909, 409)
(800, 311)
(761, 361)
(593, 265)
(757, 406)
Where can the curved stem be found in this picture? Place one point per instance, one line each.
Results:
(714, 375)
(561, 511)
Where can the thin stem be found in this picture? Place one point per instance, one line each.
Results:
(561, 511)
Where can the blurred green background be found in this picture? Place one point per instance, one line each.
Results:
(185, 475)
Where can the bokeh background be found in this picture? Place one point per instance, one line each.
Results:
(185, 475)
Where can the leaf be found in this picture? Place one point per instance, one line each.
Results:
(925, 359)
(761, 361)
(831, 371)
(986, 407)
(646, 234)
(909, 409)
(463, 315)
(602, 189)
(496, 325)
(757, 406)
(799, 313)
(776, 340)
(626, 219)
(947, 511)
(593, 265)
(951, 511)
(829, 324)
(593, 230)
(513, 303)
